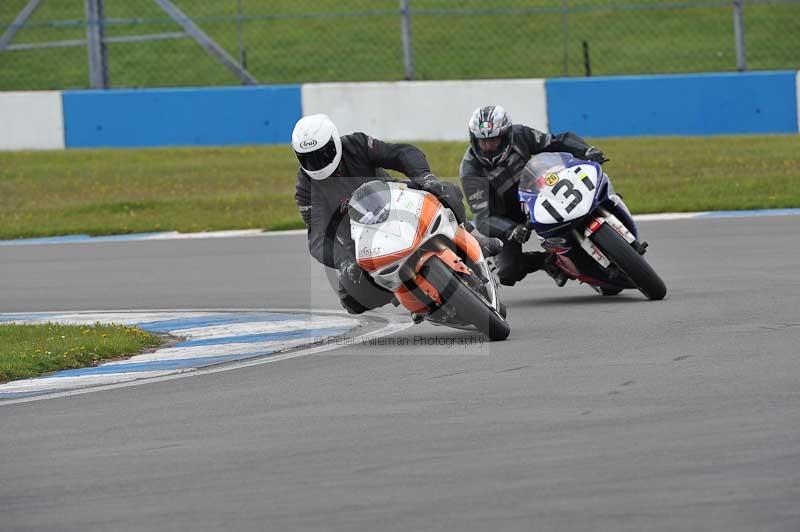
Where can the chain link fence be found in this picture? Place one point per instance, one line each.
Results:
(63, 44)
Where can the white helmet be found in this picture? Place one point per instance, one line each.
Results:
(317, 144)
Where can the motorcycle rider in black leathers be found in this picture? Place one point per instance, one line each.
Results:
(331, 169)
(490, 171)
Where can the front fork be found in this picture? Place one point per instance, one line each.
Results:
(623, 213)
(606, 217)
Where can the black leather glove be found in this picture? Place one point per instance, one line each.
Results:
(430, 183)
(595, 155)
(442, 191)
(520, 234)
(350, 269)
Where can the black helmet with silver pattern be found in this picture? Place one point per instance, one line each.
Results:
(490, 134)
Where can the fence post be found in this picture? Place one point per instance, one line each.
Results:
(587, 62)
(95, 35)
(408, 52)
(738, 34)
(565, 30)
(242, 53)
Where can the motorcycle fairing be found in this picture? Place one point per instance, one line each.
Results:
(396, 247)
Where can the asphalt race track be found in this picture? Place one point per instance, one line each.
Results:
(598, 414)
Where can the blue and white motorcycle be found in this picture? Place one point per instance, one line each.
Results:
(574, 211)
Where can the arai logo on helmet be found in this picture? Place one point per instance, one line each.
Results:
(308, 143)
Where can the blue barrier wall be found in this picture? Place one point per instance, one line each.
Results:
(180, 117)
(701, 104)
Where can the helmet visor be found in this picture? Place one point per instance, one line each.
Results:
(493, 146)
(318, 159)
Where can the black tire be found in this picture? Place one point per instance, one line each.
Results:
(629, 261)
(610, 291)
(471, 308)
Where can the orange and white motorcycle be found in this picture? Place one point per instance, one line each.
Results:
(412, 245)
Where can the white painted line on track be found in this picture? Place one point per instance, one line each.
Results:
(290, 232)
(140, 237)
(714, 214)
(125, 380)
(665, 216)
(248, 233)
(174, 235)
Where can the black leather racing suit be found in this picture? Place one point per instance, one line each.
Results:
(492, 195)
(323, 206)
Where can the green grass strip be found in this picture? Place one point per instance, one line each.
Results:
(101, 192)
(286, 41)
(31, 350)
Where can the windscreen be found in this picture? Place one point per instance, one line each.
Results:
(370, 203)
(535, 174)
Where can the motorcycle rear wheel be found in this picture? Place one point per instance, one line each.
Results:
(469, 306)
(628, 259)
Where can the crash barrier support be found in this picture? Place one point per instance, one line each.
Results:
(697, 104)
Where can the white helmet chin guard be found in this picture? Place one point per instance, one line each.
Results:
(317, 144)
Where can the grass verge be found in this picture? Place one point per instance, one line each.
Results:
(31, 350)
(101, 192)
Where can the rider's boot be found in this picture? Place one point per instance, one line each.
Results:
(489, 246)
(559, 276)
(533, 261)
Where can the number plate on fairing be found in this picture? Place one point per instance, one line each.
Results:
(565, 196)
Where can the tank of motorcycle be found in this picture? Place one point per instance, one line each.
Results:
(395, 229)
(556, 189)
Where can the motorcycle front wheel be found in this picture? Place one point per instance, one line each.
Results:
(469, 306)
(629, 261)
